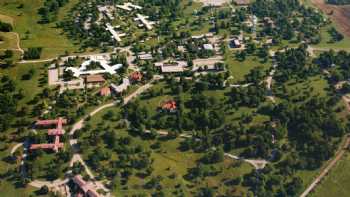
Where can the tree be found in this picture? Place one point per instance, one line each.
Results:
(43, 190)
(32, 53)
(5, 27)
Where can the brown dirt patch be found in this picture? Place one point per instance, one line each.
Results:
(338, 14)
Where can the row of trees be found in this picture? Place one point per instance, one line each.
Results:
(32, 53)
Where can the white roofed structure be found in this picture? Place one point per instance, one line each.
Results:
(106, 68)
(114, 33)
(144, 21)
(129, 7)
(122, 87)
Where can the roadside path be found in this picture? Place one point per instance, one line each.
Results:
(13, 150)
(256, 163)
(325, 171)
(80, 123)
(18, 47)
(332, 163)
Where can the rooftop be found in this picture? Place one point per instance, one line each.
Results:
(95, 79)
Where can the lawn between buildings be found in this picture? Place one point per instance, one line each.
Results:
(10, 185)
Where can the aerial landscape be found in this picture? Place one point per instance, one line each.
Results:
(153, 98)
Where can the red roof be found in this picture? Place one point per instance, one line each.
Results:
(169, 105)
(95, 79)
(87, 189)
(50, 122)
(136, 76)
(106, 91)
(55, 132)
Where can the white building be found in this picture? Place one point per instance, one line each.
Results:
(129, 7)
(117, 36)
(209, 47)
(172, 67)
(144, 21)
(122, 87)
(105, 67)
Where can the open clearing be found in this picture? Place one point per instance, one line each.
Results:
(339, 14)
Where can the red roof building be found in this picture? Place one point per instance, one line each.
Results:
(105, 91)
(169, 106)
(57, 132)
(85, 187)
(136, 76)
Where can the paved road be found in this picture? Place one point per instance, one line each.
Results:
(80, 123)
(50, 184)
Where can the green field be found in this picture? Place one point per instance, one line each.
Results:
(30, 87)
(239, 69)
(168, 162)
(325, 41)
(337, 182)
(32, 34)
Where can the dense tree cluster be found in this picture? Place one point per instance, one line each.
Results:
(338, 65)
(32, 53)
(294, 63)
(5, 27)
(50, 10)
(9, 97)
(336, 36)
(287, 20)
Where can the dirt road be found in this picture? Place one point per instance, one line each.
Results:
(325, 171)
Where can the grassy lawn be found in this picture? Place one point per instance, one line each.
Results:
(313, 86)
(239, 69)
(32, 34)
(337, 182)
(9, 40)
(30, 87)
(169, 162)
(8, 187)
(325, 42)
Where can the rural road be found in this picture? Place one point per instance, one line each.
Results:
(331, 164)
(257, 164)
(325, 171)
(80, 123)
